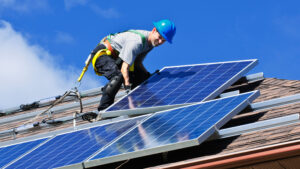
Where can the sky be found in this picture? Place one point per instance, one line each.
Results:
(44, 43)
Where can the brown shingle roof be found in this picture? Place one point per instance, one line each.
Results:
(270, 88)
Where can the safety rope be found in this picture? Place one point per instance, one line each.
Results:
(51, 106)
(67, 93)
(81, 108)
(79, 98)
(77, 84)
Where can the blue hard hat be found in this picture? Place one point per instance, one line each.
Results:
(166, 29)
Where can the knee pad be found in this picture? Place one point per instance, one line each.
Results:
(114, 85)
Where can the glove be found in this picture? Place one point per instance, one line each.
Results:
(127, 88)
(148, 75)
(156, 72)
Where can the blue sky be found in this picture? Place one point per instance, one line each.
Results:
(44, 43)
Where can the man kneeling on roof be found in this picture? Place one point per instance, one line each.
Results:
(123, 60)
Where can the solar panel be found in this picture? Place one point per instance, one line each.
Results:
(173, 129)
(73, 148)
(184, 84)
(12, 152)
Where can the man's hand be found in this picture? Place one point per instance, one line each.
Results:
(127, 88)
(156, 72)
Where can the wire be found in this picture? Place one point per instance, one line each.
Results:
(122, 164)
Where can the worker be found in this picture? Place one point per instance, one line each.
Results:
(124, 62)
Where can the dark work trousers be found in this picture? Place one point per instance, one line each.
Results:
(108, 67)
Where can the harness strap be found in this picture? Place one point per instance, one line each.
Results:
(97, 55)
(106, 42)
(141, 35)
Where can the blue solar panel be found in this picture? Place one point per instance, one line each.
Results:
(191, 124)
(184, 84)
(75, 147)
(10, 153)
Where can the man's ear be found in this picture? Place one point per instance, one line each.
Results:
(151, 35)
(153, 30)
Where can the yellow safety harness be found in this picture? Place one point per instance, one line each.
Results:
(97, 55)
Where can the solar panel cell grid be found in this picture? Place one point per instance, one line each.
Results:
(175, 126)
(178, 85)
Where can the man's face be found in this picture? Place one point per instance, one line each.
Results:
(155, 38)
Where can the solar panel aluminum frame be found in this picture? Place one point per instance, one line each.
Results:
(174, 146)
(140, 111)
(73, 166)
(137, 111)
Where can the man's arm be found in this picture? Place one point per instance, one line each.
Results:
(125, 73)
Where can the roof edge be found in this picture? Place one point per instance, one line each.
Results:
(240, 159)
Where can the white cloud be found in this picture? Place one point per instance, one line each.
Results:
(103, 12)
(63, 37)
(289, 25)
(24, 5)
(72, 3)
(29, 73)
(106, 13)
(7, 2)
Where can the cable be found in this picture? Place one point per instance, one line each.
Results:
(122, 164)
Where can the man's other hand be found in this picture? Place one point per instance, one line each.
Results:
(127, 88)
